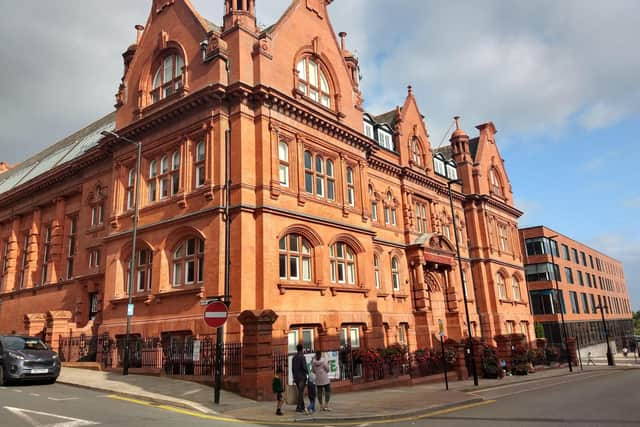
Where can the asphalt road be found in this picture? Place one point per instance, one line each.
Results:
(608, 398)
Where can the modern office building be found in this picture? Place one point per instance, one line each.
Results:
(587, 281)
(340, 220)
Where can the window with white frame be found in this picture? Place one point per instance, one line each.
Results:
(331, 181)
(23, 261)
(294, 258)
(350, 336)
(464, 285)
(283, 168)
(368, 130)
(416, 152)
(94, 258)
(175, 172)
(97, 215)
(188, 262)
(376, 270)
(496, 186)
(152, 182)
(71, 245)
(503, 237)
(319, 176)
(452, 172)
(438, 165)
(300, 335)
(46, 255)
(515, 286)
(421, 217)
(395, 273)
(199, 166)
(385, 140)
(502, 291)
(130, 190)
(142, 271)
(402, 334)
(312, 81)
(351, 195)
(163, 178)
(167, 79)
(319, 170)
(343, 264)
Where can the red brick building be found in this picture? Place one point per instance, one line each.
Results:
(340, 219)
(586, 279)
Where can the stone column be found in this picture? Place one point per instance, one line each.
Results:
(58, 323)
(34, 324)
(257, 355)
(461, 365)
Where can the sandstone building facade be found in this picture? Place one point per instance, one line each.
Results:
(340, 219)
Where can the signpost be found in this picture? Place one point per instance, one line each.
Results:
(216, 314)
(444, 361)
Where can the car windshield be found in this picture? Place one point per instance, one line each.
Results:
(22, 343)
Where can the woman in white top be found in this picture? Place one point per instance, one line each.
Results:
(320, 368)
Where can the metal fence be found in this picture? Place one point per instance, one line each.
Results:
(175, 355)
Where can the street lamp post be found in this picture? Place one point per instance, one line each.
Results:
(464, 290)
(561, 305)
(134, 231)
(610, 361)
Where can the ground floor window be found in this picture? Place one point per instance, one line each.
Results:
(301, 335)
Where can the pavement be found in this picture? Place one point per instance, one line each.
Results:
(387, 403)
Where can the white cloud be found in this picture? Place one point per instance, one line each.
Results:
(632, 202)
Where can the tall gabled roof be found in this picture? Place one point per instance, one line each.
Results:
(447, 152)
(59, 153)
(390, 118)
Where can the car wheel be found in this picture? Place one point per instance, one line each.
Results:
(3, 380)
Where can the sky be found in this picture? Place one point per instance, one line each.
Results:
(559, 79)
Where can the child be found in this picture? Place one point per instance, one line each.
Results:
(311, 392)
(278, 389)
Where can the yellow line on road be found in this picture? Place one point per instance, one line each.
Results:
(297, 423)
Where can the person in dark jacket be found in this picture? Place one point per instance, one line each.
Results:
(300, 372)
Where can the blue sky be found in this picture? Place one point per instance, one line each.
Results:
(559, 79)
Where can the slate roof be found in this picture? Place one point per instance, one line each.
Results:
(58, 154)
(446, 150)
(390, 118)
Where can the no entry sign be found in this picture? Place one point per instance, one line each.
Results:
(216, 314)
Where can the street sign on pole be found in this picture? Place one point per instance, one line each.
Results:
(129, 310)
(215, 314)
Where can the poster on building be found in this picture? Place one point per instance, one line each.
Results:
(333, 357)
(196, 351)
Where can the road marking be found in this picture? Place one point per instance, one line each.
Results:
(3, 388)
(34, 394)
(18, 391)
(188, 393)
(63, 398)
(297, 423)
(69, 422)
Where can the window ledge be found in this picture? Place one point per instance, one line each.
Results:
(283, 287)
(400, 296)
(349, 289)
(382, 294)
(125, 299)
(182, 290)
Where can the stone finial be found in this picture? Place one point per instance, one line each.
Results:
(458, 132)
(343, 37)
(409, 90)
(139, 28)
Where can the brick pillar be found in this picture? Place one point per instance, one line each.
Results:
(504, 349)
(58, 323)
(572, 350)
(34, 324)
(461, 366)
(478, 351)
(257, 354)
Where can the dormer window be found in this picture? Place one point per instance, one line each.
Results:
(312, 82)
(167, 78)
(385, 140)
(438, 165)
(452, 172)
(368, 130)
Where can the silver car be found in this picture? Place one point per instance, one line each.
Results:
(27, 358)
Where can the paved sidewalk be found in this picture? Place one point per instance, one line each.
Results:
(370, 404)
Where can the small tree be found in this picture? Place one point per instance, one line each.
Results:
(539, 330)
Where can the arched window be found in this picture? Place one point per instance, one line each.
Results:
(376, 270)
(164, 178)
(496, 186)
(319, 176)
(502, 291)
(283, 157)
(515, 286)
(188, 262)
(395, 274)
(416, 153)
(167, 78)
(295, 258)
(142, 271)
(312, 81)
(343, 263)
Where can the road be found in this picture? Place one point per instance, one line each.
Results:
(599, 398)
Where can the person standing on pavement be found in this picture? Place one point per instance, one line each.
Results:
(300, 372)
(320, 368)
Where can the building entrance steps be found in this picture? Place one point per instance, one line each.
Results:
(370, 404)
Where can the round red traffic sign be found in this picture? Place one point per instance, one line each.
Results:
(216, 314)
